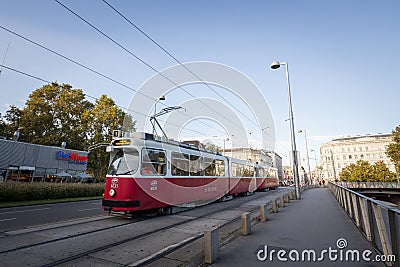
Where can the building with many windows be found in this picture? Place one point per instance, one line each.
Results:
(249, 154)
(269, 158)
(341, 152)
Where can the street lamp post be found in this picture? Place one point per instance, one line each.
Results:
(315, 158)
(276, 65)
(333, 165)
(308, 158)
(155, 111)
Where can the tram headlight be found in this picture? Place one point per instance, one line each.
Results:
(112, 192)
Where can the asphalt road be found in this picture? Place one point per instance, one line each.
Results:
(22, 217)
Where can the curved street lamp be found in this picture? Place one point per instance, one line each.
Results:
(276, 65)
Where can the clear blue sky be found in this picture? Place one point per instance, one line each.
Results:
(343, 55)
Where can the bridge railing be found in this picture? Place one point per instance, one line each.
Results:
(369, 184)
(379, 223)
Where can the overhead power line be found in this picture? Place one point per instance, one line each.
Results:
(92, 97)
(92, 70)
(142, 61)
(176, 60)
(24, 73)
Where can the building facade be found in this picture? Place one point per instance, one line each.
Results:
(341, 152)
(250, 154)
(277, 163)
(30, 162)
(269, 158)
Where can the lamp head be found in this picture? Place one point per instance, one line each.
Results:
(275, 65)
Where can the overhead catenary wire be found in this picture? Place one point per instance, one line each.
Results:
(93, 71)
(5, 55)
(176, 60)
(92, 97)
(141, 60)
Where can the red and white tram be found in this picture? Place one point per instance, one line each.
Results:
(148, 173)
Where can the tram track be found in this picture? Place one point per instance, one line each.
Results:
(167, 223)
(66, 237)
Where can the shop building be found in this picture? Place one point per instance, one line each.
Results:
(26, 162)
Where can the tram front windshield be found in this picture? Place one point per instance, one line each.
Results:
(124, 162)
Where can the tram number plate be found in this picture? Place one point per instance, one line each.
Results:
(210, 189)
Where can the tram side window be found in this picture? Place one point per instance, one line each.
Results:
(219, 168)
(196, 165)
(153, 162)
(209, 167)
(180, 164)
(272, 174)
(236, 171)
(248, 171)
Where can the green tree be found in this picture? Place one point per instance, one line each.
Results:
(345, 174)
(54, 114)
(9, 123)
(393, 150)
(362, 171)
(2, 126)
(101, 120)
(57, 113)
(382, 172)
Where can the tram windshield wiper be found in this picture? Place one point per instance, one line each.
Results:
(127, 172)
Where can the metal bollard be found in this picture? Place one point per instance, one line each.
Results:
(274, 206)
(246, 223)
(281, 202)
(211, 245)
(263, 212)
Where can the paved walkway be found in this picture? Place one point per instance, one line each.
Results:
(316, 222)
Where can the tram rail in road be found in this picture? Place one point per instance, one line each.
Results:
(139, 239)
(15, 218)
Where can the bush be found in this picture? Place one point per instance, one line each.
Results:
(14, 191)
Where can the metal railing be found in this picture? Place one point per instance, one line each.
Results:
(379, 223)
(369, 184)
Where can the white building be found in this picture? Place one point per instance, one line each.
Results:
(341, 152)
(250, 154)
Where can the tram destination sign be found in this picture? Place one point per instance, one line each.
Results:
(121, 142)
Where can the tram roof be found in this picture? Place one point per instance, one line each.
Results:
(161, 140)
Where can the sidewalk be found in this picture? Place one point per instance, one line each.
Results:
(315, 222)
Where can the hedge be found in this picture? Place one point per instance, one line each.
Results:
(14, 191)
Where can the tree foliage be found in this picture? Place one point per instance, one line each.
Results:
(54, 114)
(10, 121)
(101, 120)
(393, 150)
(362, 171)
(57, 113)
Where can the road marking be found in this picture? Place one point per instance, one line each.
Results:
(90, 209)
(20, 211)
(3, 220)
